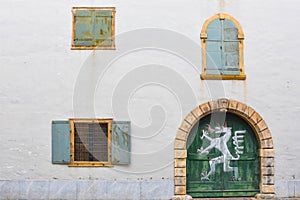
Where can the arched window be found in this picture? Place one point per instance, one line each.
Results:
(222, 49)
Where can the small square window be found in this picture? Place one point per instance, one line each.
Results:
(93, 28)
(90, 142)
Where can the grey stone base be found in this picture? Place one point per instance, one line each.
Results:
(289, 189)
(106, 190)
(111, 190)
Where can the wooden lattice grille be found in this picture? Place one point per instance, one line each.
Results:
(90, 141)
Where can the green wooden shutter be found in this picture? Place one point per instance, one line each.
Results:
(60, 142)
(103, 27)
(93, 27)
(231, 48)
(213, 47)
(120, 147)
(84, 20)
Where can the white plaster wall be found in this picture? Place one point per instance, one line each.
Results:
(39, 74)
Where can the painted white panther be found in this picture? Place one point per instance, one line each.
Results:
(220, 143)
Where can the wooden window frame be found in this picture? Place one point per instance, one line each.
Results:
(76, 47)
(74, 163)
(203, 37)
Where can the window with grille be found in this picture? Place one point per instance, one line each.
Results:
(93, 28)
(90, 142)
(222, 42)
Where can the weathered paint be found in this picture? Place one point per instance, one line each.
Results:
(93, 28)
(217, 166)
(121, 145)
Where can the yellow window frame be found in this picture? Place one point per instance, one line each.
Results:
(203, 37)
(76, 47)
(74, 163)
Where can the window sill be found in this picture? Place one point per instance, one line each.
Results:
(93, 48)
(90, 164)
(222, 77)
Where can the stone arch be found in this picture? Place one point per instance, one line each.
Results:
(263, 135)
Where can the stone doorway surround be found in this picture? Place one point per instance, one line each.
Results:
(263, 135)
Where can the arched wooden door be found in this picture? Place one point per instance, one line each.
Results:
(222, 158)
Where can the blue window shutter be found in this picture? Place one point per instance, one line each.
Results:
(213, 57)
(214, 30)
(103, 27)
(213, 47)
(84, 20)
(230, 30)
(231, 48)
(120, 152)
(60, 142)
(222, 48)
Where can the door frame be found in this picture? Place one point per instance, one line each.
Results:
(259, 126)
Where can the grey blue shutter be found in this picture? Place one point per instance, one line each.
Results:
(121, 145)
(60, 142)
(231, 48)
(213, 47)
(222, 48)
(103, 27)
(84, 20)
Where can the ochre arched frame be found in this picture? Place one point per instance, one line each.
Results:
(263, 135)
(203, 37)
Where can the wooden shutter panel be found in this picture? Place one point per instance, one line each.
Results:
(231, 49)
(84, 28)
(213, 47)
(213, 57)
(120, 152)
(60, 142)
(103, 27)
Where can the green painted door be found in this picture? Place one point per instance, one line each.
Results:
(222, 158)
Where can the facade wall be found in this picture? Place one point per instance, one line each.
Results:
(151, 79)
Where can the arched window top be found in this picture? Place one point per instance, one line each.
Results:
(214, 30)
(216, 20)
(222, 54)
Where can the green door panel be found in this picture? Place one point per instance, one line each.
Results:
(222, 160)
